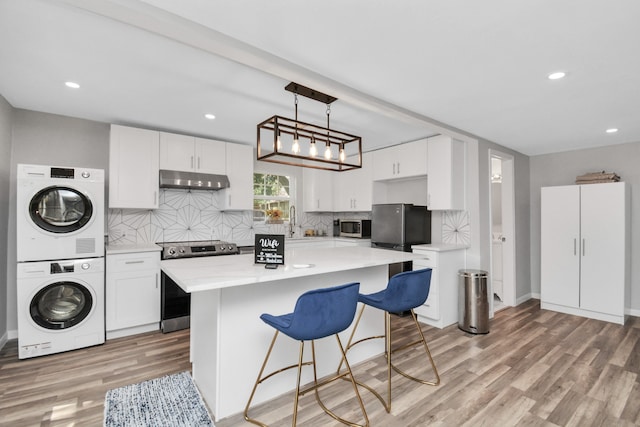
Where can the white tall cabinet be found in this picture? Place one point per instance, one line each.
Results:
(585, 250)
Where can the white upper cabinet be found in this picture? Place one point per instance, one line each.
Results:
(445, 182)
(317, 192)
(133, 168)
(191, 154)
(400, 161)
(353, 188)
(239, 166)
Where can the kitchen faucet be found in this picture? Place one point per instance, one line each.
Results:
(292, 220)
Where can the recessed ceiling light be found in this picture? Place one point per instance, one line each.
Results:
(72, 85)
(612, 130)
(209, 116)
(557, 75)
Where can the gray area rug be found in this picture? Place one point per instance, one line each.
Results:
(172, 401)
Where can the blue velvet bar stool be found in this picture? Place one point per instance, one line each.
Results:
(317, 314)
(405, 291)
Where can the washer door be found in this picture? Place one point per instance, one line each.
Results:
(61, 305)
(60, 209)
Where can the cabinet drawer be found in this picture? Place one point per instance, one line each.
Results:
(133, 262)
(430, 308)
(431, 260)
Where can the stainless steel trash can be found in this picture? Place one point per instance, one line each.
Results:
(473, 301)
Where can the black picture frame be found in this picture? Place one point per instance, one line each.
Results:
(269, 249)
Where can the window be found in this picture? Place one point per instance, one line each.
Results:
(271, 196)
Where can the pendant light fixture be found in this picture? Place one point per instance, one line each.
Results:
(295, 143)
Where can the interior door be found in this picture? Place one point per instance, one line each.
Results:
(560, 245)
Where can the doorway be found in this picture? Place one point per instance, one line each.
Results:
(502, 226)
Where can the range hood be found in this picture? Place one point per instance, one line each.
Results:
(192, 180)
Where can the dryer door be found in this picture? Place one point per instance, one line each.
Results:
(60, 209)
(61, 305)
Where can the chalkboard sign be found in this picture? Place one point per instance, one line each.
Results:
(269, 249)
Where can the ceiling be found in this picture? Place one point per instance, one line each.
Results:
(400, 70)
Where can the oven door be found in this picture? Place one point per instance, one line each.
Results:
(176, 306)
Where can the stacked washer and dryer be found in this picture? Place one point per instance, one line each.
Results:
(60, 253)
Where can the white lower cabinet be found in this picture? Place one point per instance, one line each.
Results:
(441, 307)
(132, 293)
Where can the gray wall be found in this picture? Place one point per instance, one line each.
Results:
(562, 169)
(48, 139)
(5, 166)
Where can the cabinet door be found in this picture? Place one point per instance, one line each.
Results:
(385, 163)
(560, 245)
(445, 170)
(177, 152)
(132, 290)
(603, 234)
(239, 165)
(400, 161)
(133, 168)
(317, 194)
(412, 159)
(431, 307)
(353, 188)
(210, 156)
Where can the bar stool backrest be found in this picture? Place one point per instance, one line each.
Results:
(322, 312)
(406, 291)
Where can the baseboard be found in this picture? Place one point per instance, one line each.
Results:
(526, 298)
(633, 312)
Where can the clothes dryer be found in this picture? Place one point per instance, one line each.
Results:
(60, 306)
(60, 213)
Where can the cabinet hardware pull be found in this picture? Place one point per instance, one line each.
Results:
(398, 168)
(574, 247)
(191, 162)
(155, 198)
(394, 169)
(134, 262)
(583, 247)
(156, 280)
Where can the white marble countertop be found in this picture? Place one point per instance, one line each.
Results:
(440, 247)
(125, 249)
(207, 273)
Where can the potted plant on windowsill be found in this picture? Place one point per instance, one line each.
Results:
(274, 216)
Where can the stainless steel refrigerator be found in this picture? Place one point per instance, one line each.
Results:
(397, 226)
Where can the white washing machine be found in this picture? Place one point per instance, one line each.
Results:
(60, 306)
(60, 212)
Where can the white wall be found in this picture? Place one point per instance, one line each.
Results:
(6, 112)
(562, 169)
(48, 139)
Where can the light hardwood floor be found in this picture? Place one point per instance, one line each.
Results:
(535, 368)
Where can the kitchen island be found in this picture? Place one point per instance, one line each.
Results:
(228, 295)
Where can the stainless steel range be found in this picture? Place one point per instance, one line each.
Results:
(176, 303)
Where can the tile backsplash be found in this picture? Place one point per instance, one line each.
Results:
(185, 215)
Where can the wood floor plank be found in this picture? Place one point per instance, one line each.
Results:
(534, 368)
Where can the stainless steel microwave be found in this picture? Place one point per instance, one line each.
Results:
(359, 228)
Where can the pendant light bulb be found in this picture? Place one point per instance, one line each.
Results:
(327, 152)
(313, 150)
(342, 155)
(279, 142)
(296, 145)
